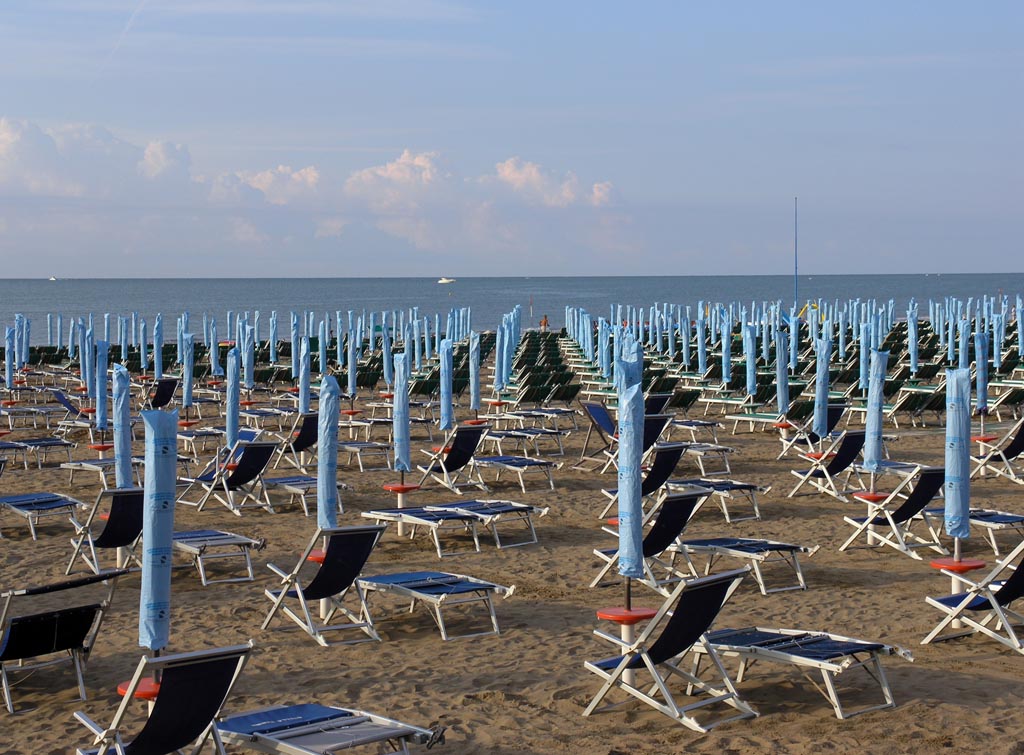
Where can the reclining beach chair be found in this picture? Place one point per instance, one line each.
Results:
(727, 491)
(673, 514)
(160, 393)
(999, 457)
(666, 457)
(28, 642)
(897, 512)
(602, 428)
(517, 464)
(120, 527)
(314, 729)
(343, 556)
(654, 428)
(35, 506)
(804, 437)
(492, 513)
(236, 479)
(216, 545)
(299, 443)
(988, 599)
(810, 651)
(447, 465)
(681, 625)
(193, 689)
(441, 590)
(828, 464)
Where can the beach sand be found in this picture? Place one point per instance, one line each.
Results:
(524, 691)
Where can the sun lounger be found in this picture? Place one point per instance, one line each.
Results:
(434, 520)
(299, 487)
(726, 491)
(99, 466)
(830, 654)
(36, 506)
(314, 729)
(517, 464)
(441, 590)
(216, 545)
(757, 552)
(38, 447)
(492, 513)
(658, 653)
(357, 448)
(28, 642)
(193, 689)
(995, 521)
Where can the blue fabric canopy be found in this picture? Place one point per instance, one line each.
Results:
(629, 364)
(158, 528)
(447, 409)
(400, 415)
(327, 454)
(122, 427)
(873, 421)
(958, 453)
(232, 398)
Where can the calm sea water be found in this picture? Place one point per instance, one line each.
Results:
(488, 297)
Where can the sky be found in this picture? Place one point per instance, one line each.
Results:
(295, 138)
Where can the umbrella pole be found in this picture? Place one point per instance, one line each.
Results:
(956, 586)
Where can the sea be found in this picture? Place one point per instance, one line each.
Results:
(489, 298)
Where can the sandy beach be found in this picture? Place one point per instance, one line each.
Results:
(524, 691)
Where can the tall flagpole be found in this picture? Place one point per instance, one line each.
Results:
(796, 259)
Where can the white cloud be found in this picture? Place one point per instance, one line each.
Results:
(327, 228)
(163, 159)
(243, 231)
(601, 193)
(529, 180)
(282, 185)
(398, 185)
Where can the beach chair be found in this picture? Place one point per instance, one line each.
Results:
(988, 599)
(673, 514)
(654, 428)
(100, 466)
(829, 463)
(357, 448)
(679, 627)
(992, 521)
(202, 546)
(520, 465)
(726, 492)
(299, 443)
(314, 729)
(602, 428)
(666, 457)
(493, 513)
(830, 654)
(757, 552)
(299, 487)
(30, 642)
(702, 451)
(999, 457)
(35, 506)
(440, 591)
(897, 512)
(236, 480)
(449, 462)
(342, 557)
(119, 527)
(804, 435)
(193, 689)
(37, 447)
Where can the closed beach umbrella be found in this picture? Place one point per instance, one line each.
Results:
(958, 455)
(823, 349)
(295, 346)
(474, 371)
(188, 344)
(231, 400)
(726, 351)
(447, 410)
(322, 343)
(273, 337)
(400, 416)
(158, 347)
(215, 369)
(385, 348)
(750, 355)
(327, 454)
(702, 347)
(303, 374)
(873, 421)
(964, 353)
(158, 528)
(102, 358)
(912, 345)
(353, 366)
(143, 353)
(628, 385)
(981, 376)
(781, 374)
(9, 359)
(122, 427)
(249, 357)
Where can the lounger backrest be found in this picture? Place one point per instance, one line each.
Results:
(464, 445)
(847, 452)
(833, 413)
(674, 513)
(124, 525)
(654, 426)
(65, 402)
(655, 403)
(929, 482)
(308, 433)
(346, 554)
(665, 461)
(191, 696)
(1016, 445)
(48, 632)
(1013, 587)
(600, 416)
(251, 463)
(695, 611)
(163, 393)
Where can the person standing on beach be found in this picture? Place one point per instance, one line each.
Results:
(544, 324)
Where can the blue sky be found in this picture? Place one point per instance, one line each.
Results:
(277, 137)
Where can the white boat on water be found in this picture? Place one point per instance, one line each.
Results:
(52, 278)
(446, 280)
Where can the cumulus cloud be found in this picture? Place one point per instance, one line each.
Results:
(397, 185)
(328, 228)
(529, 180)
(282, 185)
(164, 159)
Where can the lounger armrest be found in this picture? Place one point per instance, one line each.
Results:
(91, 725)
(505, 592)
(279, 572)
(975, 586)
(612, 638)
